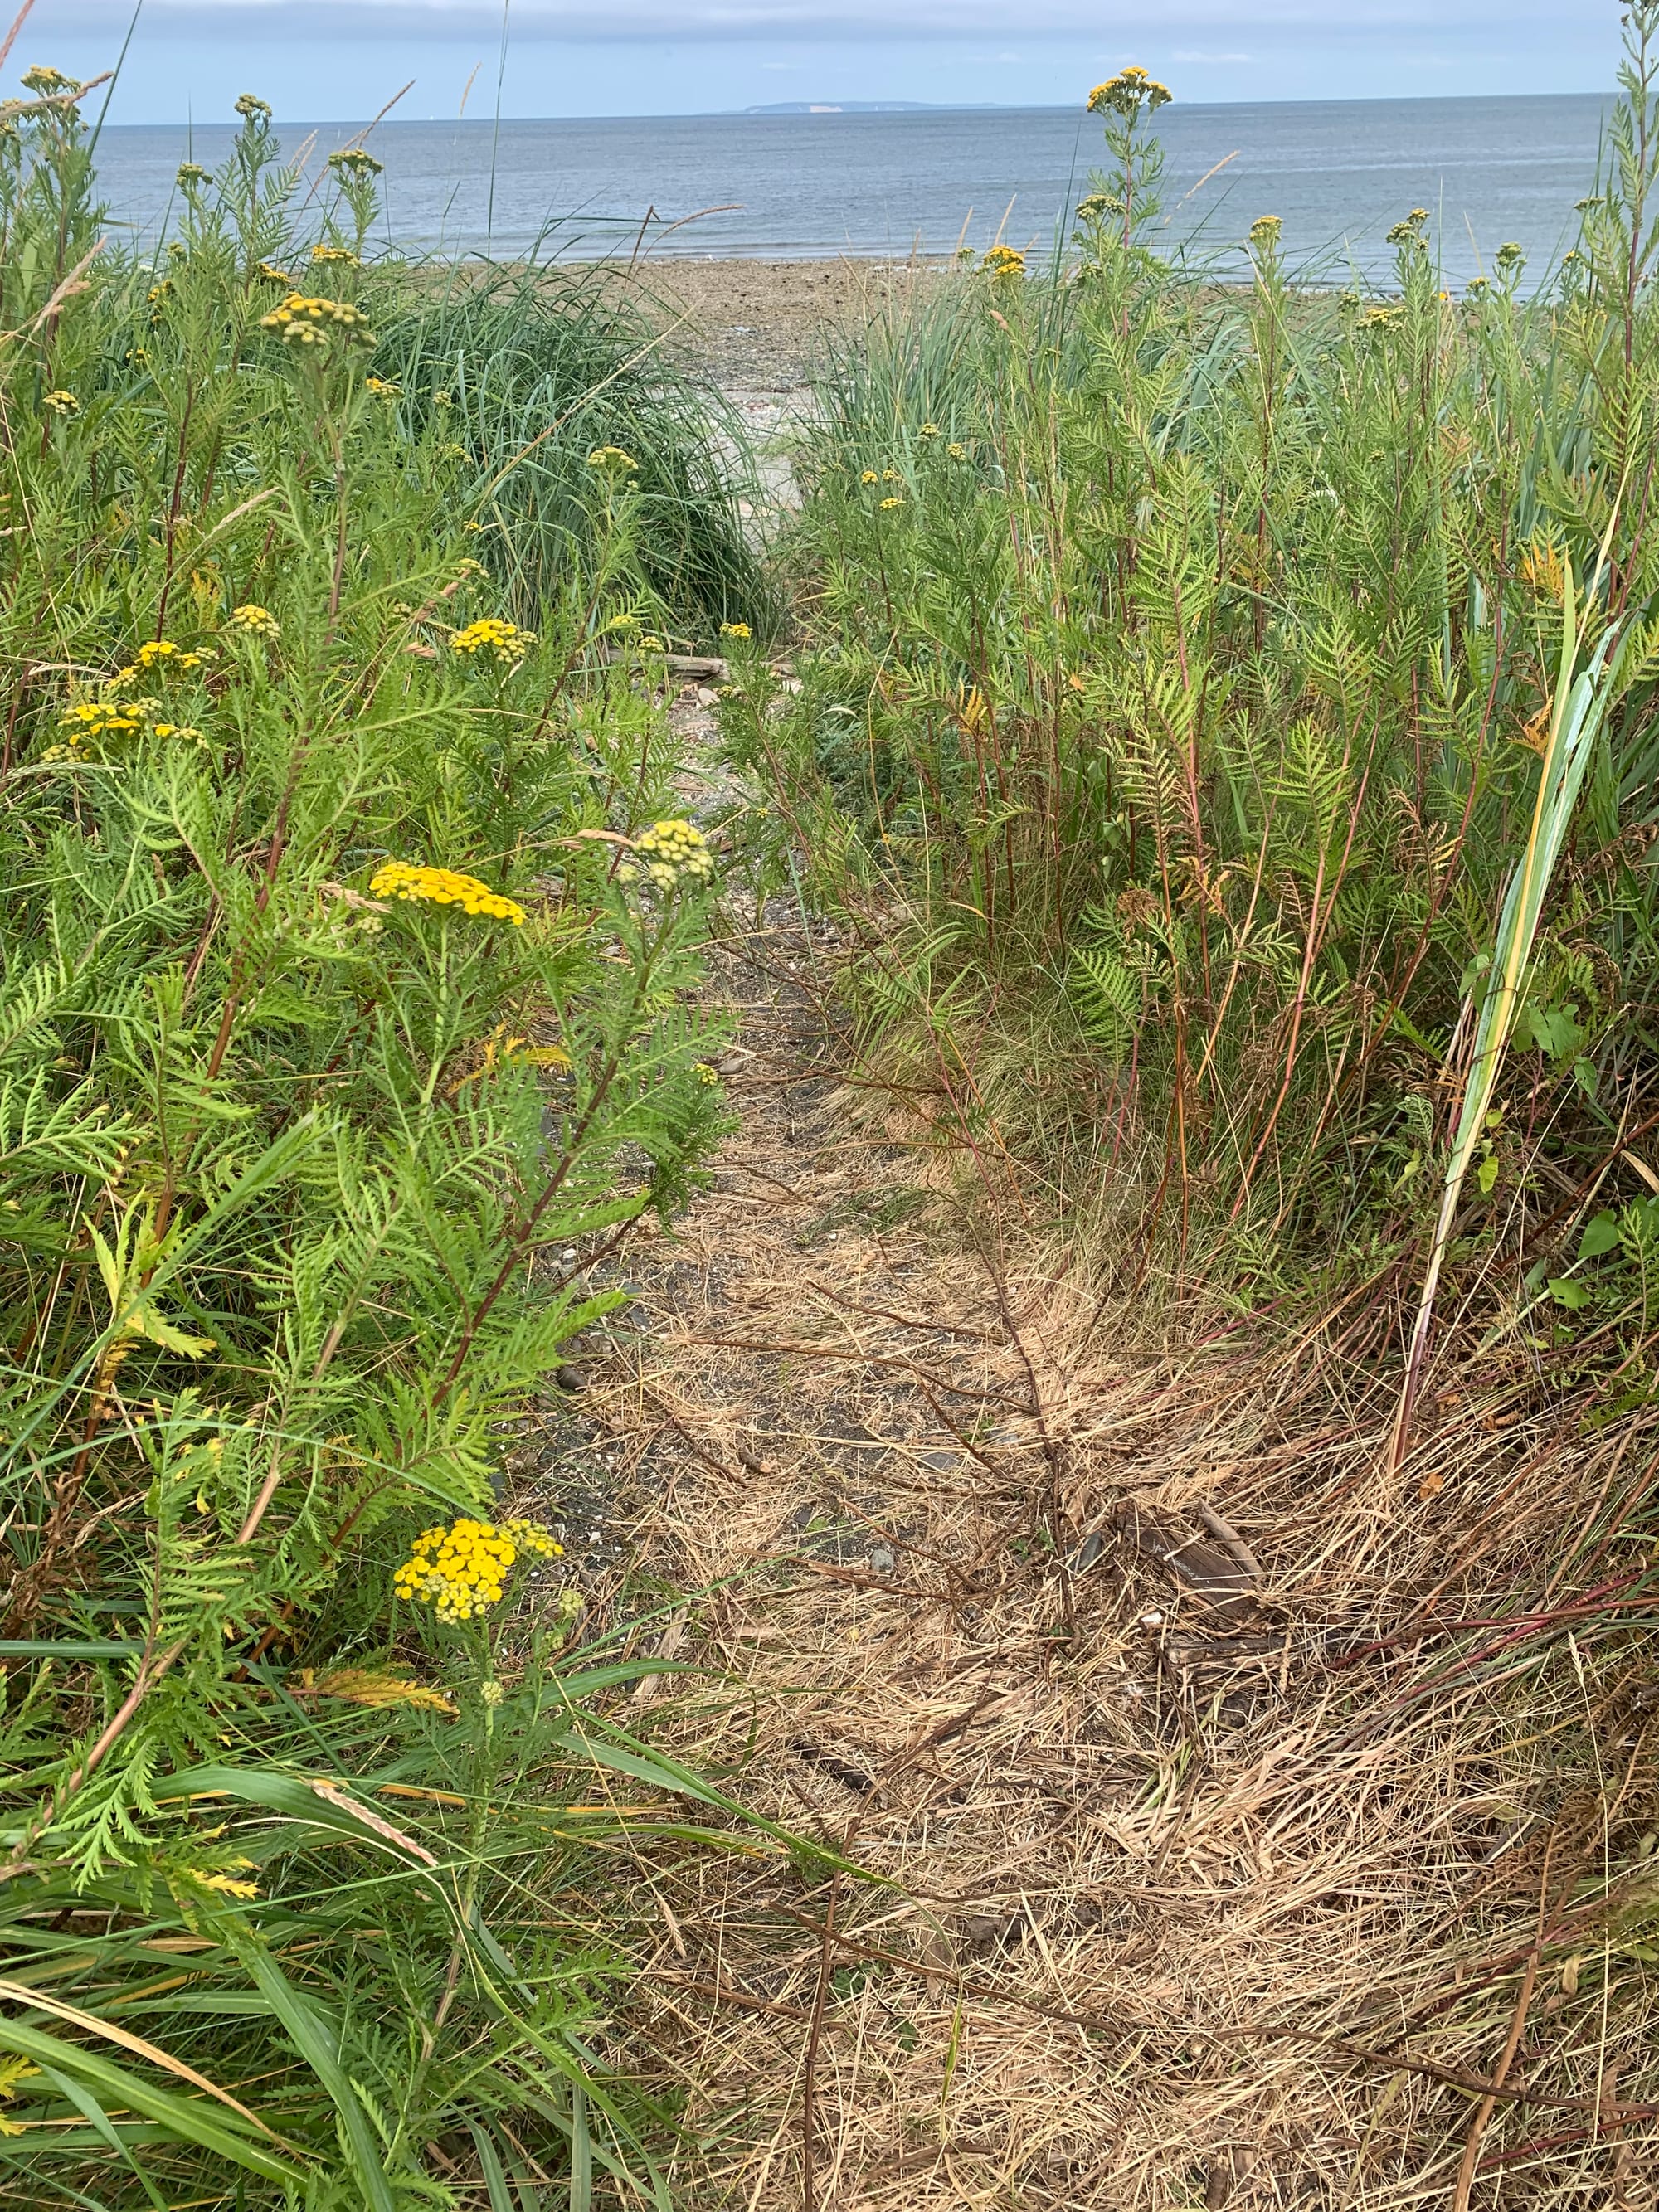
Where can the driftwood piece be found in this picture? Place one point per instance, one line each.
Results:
(1213, 1568)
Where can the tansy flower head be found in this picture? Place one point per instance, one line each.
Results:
(705, 1073)
(383, 387)
(62, 403)
(102, 718)
(273, 275)
(341, 256)
(1128, 93)
(497, 640)
(887, 505)
(1003, 261)
(1264, 232)
(956, 451)
(870, 476)
(42, 79)
(191, 176)
(669, 852)
(257, 621)
(403, 880)
(310, 324)
(249, 105)
(355, 162)
(461, 1571)
(611, 461)
(734, 630)
(929, 430)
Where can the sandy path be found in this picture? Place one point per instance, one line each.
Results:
(1174, 1907)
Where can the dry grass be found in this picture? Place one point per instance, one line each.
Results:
(1228, 1877)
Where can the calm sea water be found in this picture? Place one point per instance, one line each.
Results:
(1338, 173)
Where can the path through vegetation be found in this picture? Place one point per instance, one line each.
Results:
(1182, 1891)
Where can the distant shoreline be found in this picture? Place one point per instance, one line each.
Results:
(858, 111)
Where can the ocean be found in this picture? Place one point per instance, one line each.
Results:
(1337, 172)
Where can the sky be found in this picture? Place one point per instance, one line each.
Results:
(329, 60)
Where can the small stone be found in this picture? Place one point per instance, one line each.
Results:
(882, 1561)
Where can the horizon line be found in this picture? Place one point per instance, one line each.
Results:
(865, 110)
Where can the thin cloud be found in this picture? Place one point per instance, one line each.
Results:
(721, 20)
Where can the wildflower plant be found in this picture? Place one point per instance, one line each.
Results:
(1124, 202)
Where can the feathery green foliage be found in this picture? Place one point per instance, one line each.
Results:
(326, 1010)
(1183, 660)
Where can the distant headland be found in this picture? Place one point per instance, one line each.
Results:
(866, 107)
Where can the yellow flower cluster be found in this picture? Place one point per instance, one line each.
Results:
(870, 476)
(887, 505)
(666, 853)
(42, 78)
(102, 718)
(303, 321)
(1264, 233)
(273, 275)
(1003, 261)
(339, 256)
(355, 162)
(404, 879)
(191, 176)
(257, 621)
(1128, 93)
(956, 453)
(929, 430)
(530, 1536)
(461, 1571)
(734, 630)
(706, 1074)
(1410, 232)
(62, 403)
(383, 387)
(111, 717)
(249, 105)
(162, 649)
(502, 640)
(612, 460)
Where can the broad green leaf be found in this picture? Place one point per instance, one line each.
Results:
(1601, 1235)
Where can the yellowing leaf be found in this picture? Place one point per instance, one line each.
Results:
(226, 1882)
(369, 1685)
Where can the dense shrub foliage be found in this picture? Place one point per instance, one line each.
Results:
(1187, 663)
(334, 1042)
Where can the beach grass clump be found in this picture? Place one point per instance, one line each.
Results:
(333, 1047)
(1196, 670)
(519, 376)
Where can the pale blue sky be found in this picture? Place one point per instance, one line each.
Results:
(341, 60)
